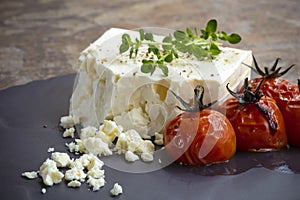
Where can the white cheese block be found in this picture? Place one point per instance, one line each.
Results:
(112, 86)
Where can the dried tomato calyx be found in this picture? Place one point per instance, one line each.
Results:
(273, 72)
(198, 101)
(247, 96)
(268, 115)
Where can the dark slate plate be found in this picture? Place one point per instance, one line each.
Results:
(26, 109)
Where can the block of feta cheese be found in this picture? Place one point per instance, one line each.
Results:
(110, 86)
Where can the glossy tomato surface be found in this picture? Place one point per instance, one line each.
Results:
(252, 127)
(291, 114)
(200, 138)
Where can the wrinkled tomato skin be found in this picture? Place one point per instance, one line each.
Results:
(276, 88)
(252, 129)
(200, 138)
(291, 114)
(286, 95)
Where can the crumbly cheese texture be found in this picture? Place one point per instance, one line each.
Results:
(61, 159)
(30, 175)
(87, 167)
(116, 190)
(69, 132)
(112, 86)
(67, 121)
(99, 142)
(50, 173)
(74, 183)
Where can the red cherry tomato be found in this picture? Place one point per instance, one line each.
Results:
(200, 138)
(254, 131)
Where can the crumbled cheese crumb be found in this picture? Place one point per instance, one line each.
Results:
(30, 175)
(96, 146)
(49, 172)
(147, 157)
(74, 183)
(116, 190)
(95, 172)
(61, 159)
(132, 141)
(159, 138)
(67, 121)
(69, 132)
(76, 147)
(44, 191)
(75, 174)
(87, 132)
(111, 129)
(50, 149)
(131, 157)
(96, 184)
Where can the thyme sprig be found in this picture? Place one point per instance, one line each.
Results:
(203, 45)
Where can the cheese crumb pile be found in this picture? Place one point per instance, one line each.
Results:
(100, 141)
(94, 142)
(87, 168)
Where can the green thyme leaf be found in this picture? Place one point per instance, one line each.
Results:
(211, 26)
(124, 47)
(181, 47)
(234, 38)
(149, 37)
(154, 50)
(205, 34)
(169, 57)
(142, 34)
(147, 67)
(189, 33)
(180, 35)
(223, 36)
(167, 39)
(198, 52)
(214, 37)
(164, 69)
(214, 49)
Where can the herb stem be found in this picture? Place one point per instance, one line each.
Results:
(156, 43)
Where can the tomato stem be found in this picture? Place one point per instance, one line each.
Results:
(273, 72)
(247, 96)
(198, 101)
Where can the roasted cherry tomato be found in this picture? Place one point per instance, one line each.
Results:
(257, 121)
(291, 114)
(284, 93)
(199, 136)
